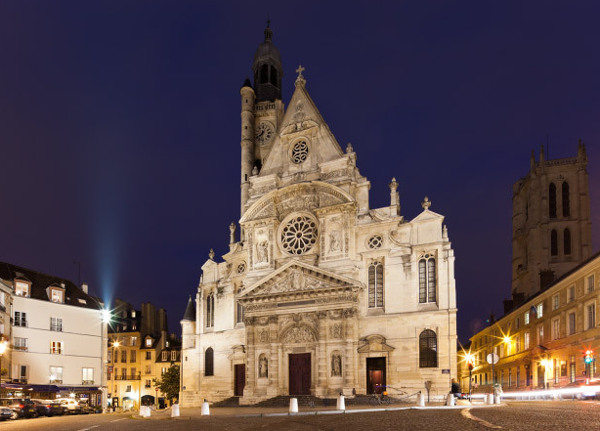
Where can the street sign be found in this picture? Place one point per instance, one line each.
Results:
(446, 371)
(492, 358)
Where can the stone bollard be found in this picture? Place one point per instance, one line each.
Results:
(293, 405)
(175, 410)
(489, 399)
(341, 404)
(420, 400)
(450, 400)
(497, 399)
(205, 409)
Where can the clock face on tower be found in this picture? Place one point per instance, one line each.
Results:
(264, 133)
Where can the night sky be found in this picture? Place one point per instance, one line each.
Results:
(120, 125)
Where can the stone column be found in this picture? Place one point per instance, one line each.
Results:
(350, 366)
(273, 389)
(250, 358)
(321, 359)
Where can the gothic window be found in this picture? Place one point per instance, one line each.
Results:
(427, 279)
(566, 203)
(567, 241)
(264, 74)
(375, 242)
(299, 152)
(299, 235)
(553, 243)
(209, 362)
(428, 349)
(240, 313)
(210, 310)
(376, 285)
(552, 201)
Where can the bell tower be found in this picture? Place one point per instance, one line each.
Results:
(262, 111)
(551, 222)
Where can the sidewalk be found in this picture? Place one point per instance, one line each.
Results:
(195, 412)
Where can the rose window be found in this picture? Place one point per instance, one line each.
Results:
(241, 267)
(299, 152)
(299, 235)
(375, 242)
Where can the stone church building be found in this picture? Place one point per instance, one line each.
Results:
(322, 293)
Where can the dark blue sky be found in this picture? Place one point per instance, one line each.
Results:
(119, 125)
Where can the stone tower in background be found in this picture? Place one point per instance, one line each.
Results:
(551, 222)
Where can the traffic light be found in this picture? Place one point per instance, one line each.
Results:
(588, 357)
(470, 364)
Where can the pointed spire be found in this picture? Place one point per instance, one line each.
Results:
(268, 31)
(190, 311)
(542, 158)
(532, 160)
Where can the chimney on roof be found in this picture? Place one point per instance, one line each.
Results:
(84, 287)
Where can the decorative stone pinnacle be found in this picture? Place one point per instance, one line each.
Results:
(232, 228)
(300, 79)
(211, 254)
(349, 148)
(394, 185)
(254, 171)
(426, 203)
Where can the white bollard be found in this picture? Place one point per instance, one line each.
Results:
(489, 399)
(293, 405)
(341, 404)
(175, 410)
(450, 400)
(497, 399)
(420, 400)
(205, 409)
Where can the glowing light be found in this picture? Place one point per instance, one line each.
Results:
(106, 316)
(506, 339)
(3, 347)
(116, 343)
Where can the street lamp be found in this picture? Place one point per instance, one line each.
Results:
(469, 360)
(106, 317)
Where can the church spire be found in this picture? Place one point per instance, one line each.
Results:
(267, 69)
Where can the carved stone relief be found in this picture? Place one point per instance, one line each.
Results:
(335, 330)
(263, 335)
(298, 334)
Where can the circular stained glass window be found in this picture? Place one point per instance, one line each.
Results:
(241, 267)
(375, 242)
(299, 235)
(299, 152)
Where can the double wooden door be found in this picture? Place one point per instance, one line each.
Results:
(299, 371)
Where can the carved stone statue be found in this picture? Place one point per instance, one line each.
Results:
(232, 233)
(262, 252)
(297, 281)
(336, 365)
(263, 367)
(335, 243)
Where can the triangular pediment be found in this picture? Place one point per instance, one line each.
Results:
(427, 215)
(301, 121)
(297, 277)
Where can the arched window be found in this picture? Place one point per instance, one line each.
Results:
(209, 360)
(566, 202)
(552, 201)
(567, 241)
(553, 243)
(210, 310)
(273, 76)
(376, 285)
(427, 279)
(264, 74)
(428, 349)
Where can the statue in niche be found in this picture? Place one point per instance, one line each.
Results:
(335, 243)
(263, 367)
(336, 365)
(262, 252)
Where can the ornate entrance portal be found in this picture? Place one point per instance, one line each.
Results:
(299, 365)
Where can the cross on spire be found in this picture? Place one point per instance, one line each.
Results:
(300, 70)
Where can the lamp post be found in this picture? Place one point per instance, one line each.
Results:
(115, 345)
(106, 319)
(3, 347)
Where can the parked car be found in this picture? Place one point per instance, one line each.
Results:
(5, 413)
(71, 404)
(588, 388)
(23, 408)
(48, 407)
(84, 408)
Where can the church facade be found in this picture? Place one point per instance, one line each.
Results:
(321, 294)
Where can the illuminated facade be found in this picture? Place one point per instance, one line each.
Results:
(322, 293)
(57, 340)
(542, 343)
(139, 350)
